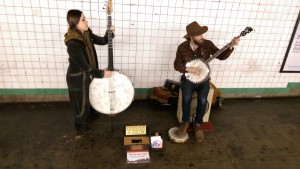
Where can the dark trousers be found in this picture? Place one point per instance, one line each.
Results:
(78, 86)
(187, 88)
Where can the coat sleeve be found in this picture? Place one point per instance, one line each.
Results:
(179, 63)
(77, 56)
(99, 40)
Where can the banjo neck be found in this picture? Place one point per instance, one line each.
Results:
(243, 33)
(110, 44)
(110, 36)
(218, 53)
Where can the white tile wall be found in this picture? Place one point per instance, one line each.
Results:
(33, 54)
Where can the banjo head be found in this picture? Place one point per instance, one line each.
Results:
(204, 71)
(175, 138)
(111, 95)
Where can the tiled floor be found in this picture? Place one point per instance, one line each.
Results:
(248, 134)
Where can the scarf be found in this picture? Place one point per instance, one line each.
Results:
(85, 38)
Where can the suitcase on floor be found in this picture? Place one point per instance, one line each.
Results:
(172, 86)
(217, 99)
(164, 96)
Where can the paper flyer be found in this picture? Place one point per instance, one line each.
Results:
(138, 157)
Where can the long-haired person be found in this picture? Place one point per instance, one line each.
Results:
(83, 66)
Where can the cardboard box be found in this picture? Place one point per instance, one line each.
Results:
(156, 142)
(136, 142)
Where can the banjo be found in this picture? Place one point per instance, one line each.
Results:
(114, 94)
(203, 65)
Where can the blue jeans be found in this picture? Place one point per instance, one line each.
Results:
(187, 88)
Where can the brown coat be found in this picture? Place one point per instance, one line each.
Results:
(185, 54)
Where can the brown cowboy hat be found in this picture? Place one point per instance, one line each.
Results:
(194, 29)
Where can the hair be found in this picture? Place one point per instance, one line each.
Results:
(73, 17)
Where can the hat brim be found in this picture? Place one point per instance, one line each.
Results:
(200, 32)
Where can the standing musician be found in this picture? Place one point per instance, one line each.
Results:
(83, 65)
(195, 47)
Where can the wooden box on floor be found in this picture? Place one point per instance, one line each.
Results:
(194, 106)
(137, 143)
(136, 138)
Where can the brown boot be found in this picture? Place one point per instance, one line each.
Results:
(199, 133)
(181, 132)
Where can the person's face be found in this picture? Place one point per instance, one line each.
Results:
(82, 24)
(198, 39)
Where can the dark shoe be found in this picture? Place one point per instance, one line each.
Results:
(181, 132)
(83, 128)
(199, 135)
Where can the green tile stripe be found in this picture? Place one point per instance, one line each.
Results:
(33, 91)
(53, 91)
(289, 87)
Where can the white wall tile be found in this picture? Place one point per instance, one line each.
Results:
(147, 36)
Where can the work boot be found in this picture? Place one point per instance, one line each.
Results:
(199, 133)
(181, 132)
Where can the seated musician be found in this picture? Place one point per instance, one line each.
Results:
(195, 47)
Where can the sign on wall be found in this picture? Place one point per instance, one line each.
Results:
(291, 62)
